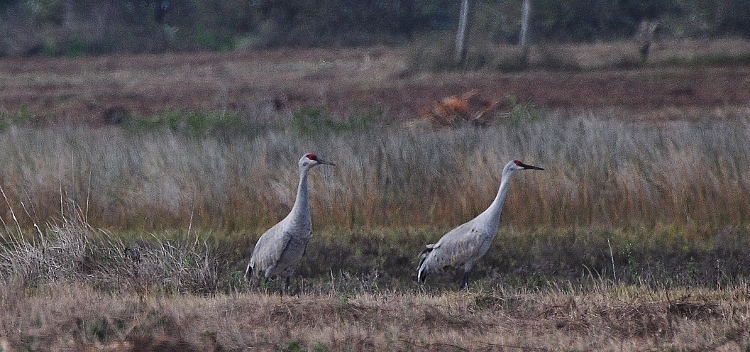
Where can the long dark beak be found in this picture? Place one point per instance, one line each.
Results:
(325, 162)
(531, 167)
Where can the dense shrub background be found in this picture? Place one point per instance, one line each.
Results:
(72, 28)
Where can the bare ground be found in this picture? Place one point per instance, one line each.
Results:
(610, 318)
(86, 90)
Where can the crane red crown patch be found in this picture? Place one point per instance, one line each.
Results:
(311, 156)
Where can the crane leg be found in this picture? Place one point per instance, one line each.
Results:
(465, 280)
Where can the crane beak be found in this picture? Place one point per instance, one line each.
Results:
(531, 167)
(325, 162)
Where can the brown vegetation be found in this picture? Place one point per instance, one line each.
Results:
(621, 318)
(456, 110)
(600, 171)
(256, 82)
(75, 287)
(134, 236)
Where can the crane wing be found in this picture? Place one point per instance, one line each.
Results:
(269, 249)
(458, 246)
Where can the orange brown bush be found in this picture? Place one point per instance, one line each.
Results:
(455, 110)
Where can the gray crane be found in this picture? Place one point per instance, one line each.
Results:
(281, 247)
(463, 246)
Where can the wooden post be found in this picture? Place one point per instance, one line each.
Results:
(463, 24)
(646, 30)
(523, 41)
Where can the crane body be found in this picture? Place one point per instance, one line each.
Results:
(281, 247)
(463, 246)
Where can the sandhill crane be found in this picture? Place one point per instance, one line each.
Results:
(464, 245)
(281, 247)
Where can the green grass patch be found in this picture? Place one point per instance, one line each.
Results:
(353, 261)
(194, 123)
(317, 119)
(521, 112)
(23, 116)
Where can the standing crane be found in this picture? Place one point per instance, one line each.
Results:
(281, 247)
(464, 245)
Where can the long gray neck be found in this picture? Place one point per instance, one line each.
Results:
(300, 213)
(492, 214)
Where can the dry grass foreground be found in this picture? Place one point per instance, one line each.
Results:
(606, 318)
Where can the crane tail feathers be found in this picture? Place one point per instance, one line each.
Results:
(424, 253)
(421, 267)
(249, 271)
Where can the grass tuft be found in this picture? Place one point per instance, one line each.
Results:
(71, 250)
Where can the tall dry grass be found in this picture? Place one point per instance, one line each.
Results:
(634, 238)
(70, 251)
(600, 171)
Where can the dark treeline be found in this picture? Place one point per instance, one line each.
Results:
(75, 27)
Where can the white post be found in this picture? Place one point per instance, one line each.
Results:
(525, 18)
(463, 22)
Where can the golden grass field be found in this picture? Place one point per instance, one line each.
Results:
(134, 187)
(604, 318)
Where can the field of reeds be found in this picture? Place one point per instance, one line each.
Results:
(133, 235)
(153, 226)
(601, 171)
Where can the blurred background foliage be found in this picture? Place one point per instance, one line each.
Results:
(95, 27)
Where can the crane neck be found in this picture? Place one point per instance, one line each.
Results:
(300, 212)
(492, 214)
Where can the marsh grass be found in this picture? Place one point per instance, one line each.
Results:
(634, 238)
(352, 261)
(632, 202)
(601, 171)
(71, 286)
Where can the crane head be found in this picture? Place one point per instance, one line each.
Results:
(309, 160)
(523, 166)
(518, 165)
